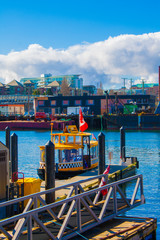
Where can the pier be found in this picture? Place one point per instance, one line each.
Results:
(80, 211)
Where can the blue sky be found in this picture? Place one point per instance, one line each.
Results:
(102, 40)
(64, 23)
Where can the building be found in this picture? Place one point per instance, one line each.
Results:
(146, 88)
(2, 89)
(91, 89)
(54, 88)
(74, 81)
(93, 104)
(11, 109)
(14, 88)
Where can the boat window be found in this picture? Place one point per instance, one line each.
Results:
(70, 139)
(56, 139)
(94, 152)
(72, 155)
(63, 140)
(85, 140)
(78, 139)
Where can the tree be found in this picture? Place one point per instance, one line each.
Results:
(100, 91)
(49, 92)
(65, 89)
(36, 92)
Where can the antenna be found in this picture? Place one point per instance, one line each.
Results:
(124, 79)
(131, 85)
(143, 85)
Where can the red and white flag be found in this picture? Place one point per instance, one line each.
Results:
(103, 182)
(82, 124)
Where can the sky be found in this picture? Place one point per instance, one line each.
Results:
(103, 40)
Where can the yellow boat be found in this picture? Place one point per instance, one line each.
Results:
(75, 152)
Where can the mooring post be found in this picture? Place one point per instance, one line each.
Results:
(7, 130)
(14, 154)
(122, 144)
(101, 150)
(49, 170)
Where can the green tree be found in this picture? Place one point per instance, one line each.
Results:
(49, 92)
(36, 92)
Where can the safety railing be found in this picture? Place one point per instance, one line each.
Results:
(80, 211)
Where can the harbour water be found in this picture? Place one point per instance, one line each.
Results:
(143, 145)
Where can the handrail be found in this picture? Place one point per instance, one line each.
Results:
(97, 209)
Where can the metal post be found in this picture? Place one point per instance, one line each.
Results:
(142, 86)
(124, 85)
(131, 85)
(7, 130)
(122, 143)
(49, 171)
(14, 153)
(101, 150)
(106, 92)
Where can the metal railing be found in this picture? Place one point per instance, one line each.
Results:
(80, 211)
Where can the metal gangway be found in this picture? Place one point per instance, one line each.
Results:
(83, 208)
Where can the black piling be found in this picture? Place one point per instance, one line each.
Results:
(14, 153)
(122, 142)
(7, 130)
(49, 171)
(101, 150)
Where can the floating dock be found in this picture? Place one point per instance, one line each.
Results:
(82, 214)
(131, 228)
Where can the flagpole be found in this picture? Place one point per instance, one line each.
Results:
(79, 119)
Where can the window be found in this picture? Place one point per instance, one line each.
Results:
(145, 100)
(65, 102)
(78, 102)
(41, 103)
(53, 103)
(2, 156)
(90, 102)
(138, 100)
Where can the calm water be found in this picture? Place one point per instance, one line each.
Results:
(143, 145)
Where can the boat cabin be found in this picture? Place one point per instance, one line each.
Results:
(74, 150)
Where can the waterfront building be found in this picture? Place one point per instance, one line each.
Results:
(74, 81)
(14, 88)
(28, 87)
(11, 109)
(146, 88)
(25, 100)
(54, 87)
(93, 104)
(2, 89)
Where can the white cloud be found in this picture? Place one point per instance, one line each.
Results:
(106, 61)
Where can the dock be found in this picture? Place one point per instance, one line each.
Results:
(118, 228)
(81, 212)
(123, 228)
(117, 172)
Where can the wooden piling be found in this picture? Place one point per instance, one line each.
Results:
(7, 130)
(122, 143)
(14, 154)
(101, 150)
(49, 171)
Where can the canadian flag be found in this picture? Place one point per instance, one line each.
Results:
(103, 182)
(82, 124)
